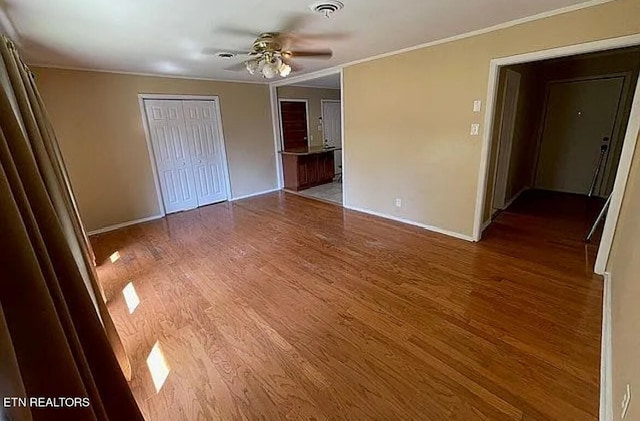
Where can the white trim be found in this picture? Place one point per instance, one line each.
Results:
(223, 147)
(306, 107)
(344, 122)
(620, 183)
(488, 222)
(125, 224)
(515, 22)
(500, 181)
(485, 153)
(147, 134)
(124, 72)
(515, 196)
(628, 147)
(246, 196)
(410, 222)
(606, 369)
(275, 123)
(152, 159)
(313, 87)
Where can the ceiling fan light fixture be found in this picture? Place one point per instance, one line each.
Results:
(270, 70)
(284, 69)
(252, 66)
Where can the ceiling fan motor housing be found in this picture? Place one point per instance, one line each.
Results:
(267, 41)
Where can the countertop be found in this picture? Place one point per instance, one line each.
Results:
(311, 150)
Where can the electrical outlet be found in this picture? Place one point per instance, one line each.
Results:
(626, 399)
(398, 203)
(310, 137)
(475, 129)
(477, 106)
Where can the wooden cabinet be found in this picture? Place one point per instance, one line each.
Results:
(302, 171)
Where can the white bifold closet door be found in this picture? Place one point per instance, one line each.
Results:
(187, 147)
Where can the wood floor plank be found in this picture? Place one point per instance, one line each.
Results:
(281, 307)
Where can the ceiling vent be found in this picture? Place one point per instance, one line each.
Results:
(326, 7)
(225, 55)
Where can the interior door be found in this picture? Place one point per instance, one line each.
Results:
(579, 116)
(203, 134)
(332, 130)
(172, 154)
(293, 115)
(505, 136)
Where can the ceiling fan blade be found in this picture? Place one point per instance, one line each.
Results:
(294, 22)
(210, 51)
(238, 67)
(295, 67)
(240, 32)
(321, 54)
(310, 37)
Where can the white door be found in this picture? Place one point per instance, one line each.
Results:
(332, 129)
(579, 115)
(505, 137)
(202, 128)
(172, 154)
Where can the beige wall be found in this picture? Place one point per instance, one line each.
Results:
(407, 116)
(99, 126)
(314, 96)
(624, 267)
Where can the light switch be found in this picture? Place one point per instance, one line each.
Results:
(477, 106)
(475, 129)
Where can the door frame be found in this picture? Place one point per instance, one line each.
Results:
(626, 85)
(306, 106)
(147, 135)
(508, 147)
(628, 147)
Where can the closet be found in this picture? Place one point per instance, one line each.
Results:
(186, 138)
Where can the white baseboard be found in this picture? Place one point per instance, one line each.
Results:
(410, 222)
(124, 224)
(513, 199)
(606, 370)
(246, 196)
(488, 222)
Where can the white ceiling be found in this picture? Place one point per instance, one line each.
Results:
(169, 36)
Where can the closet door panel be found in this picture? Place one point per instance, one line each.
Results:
(172, 154)
(203, 132)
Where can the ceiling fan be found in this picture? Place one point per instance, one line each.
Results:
(271, 55)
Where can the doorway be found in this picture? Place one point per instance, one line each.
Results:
(315, 169)
(560, 130)
(186, 145)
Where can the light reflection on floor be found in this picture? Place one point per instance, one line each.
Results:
(157, 366)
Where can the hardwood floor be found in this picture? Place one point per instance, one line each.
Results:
(283, 307)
